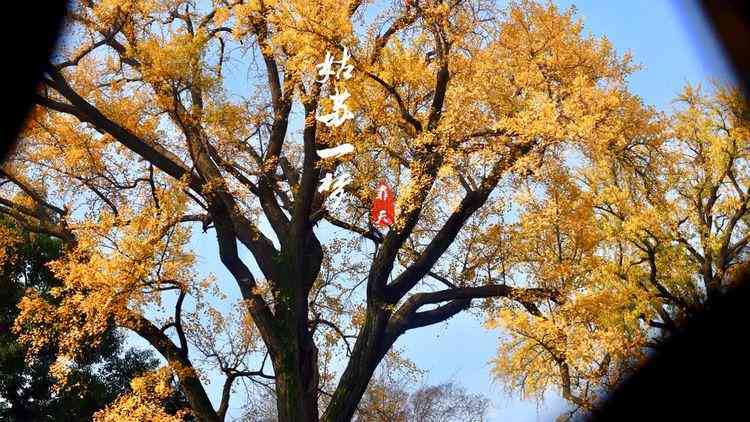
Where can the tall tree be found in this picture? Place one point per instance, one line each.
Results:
(141, 131)
(635, 242)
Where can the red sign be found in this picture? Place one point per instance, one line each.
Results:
(382, 213)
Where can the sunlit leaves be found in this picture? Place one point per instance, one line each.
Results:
(144, 402)
(584, 193)
(635, 234)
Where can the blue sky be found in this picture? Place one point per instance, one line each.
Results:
(674, 45)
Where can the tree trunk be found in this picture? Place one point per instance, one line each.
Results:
(368, 351)
(196, 395)
(296, 371)
(296, 360)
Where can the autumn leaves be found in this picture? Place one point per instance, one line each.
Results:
(504, 96)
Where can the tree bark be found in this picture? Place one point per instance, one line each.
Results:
(188, 379)
(368, 351)
(296, 360)
(297, 380)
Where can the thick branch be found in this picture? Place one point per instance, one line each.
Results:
(447, 234)
(85, 112)
(381, 41)
(408, 317)
(188, 377)
(399, 101)
(36, 196)
(310, 170)
(259, 309)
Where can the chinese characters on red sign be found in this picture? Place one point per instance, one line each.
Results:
(382, 213)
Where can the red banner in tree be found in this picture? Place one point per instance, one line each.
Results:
(382, 213)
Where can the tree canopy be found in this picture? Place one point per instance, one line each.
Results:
(531, 185)
(634, 246)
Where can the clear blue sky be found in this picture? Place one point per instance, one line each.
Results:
(671, 40)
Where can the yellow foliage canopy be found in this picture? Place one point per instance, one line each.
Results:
(526, 174)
